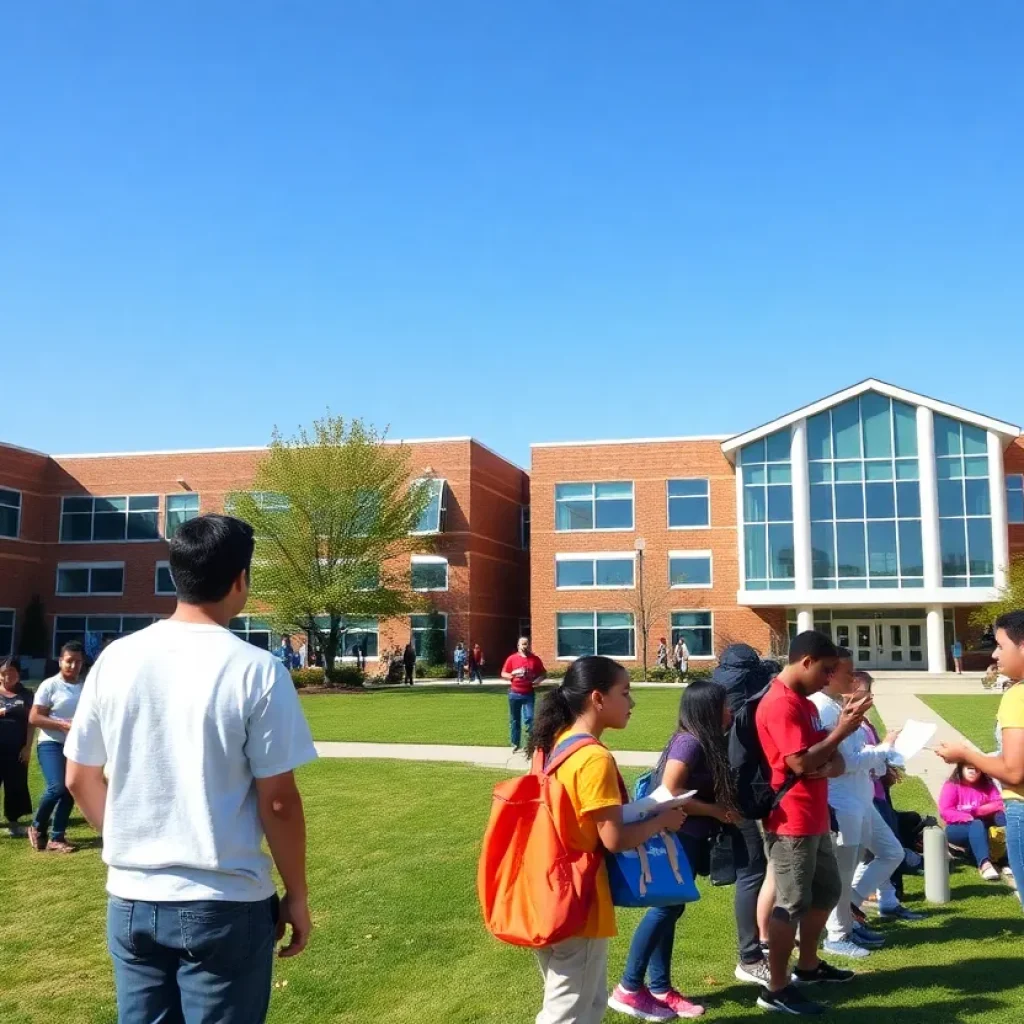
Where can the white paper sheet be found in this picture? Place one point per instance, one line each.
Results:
(913, 737)
(658, 800)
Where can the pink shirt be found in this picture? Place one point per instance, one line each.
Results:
(960, 803)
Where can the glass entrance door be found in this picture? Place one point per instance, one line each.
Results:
(883, 643)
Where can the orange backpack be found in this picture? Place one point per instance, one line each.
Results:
(535, 882)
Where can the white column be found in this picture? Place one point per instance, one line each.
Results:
(936, 639)
(997, 498)
(804, 619)
(801, 506)
(929, 501)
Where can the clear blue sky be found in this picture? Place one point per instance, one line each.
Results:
(525, 220)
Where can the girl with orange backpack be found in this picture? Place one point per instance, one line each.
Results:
(594, 696)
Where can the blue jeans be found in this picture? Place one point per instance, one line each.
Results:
(56, 801)
(1015, 837)
(975, 835)
(206, 962)
(520, 710)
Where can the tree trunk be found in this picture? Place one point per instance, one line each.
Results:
(331, 650)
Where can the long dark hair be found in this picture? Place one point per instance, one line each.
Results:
(700, 714)
(957, 776)
(564, 704)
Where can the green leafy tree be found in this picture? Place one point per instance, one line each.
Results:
(1011, 597)
(332, 509)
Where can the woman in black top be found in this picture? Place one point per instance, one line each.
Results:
(16, 737)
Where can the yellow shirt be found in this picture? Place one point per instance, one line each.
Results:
(591, 779)
(1011, 716)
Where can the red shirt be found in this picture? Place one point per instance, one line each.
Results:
(787, 724)
(534, 670)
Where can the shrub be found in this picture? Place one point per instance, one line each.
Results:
(425, 671)
(668, 675)
(345, 675)
(303, 677)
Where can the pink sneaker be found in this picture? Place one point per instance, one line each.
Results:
(679, 1004)
(641, 1005)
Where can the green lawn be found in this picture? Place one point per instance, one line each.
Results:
(471, 715)
(393, 850)
(973, 715)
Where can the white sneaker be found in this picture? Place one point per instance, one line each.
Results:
(990, 874)
(844, 947)
(1008, 878)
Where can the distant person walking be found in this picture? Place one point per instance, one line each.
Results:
(409, 661)
(459, 659)
(52, 711)
(957, 650)
(476, 664)
(524, 670)
(15, 746)
(682, 653)
(183, 753)
(662, 659)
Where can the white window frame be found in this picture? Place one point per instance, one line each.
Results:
(21, 505)
(156, 580)
(109, 497)
(442, 506)
(617, 657)
(120, 616)
(180, 494)
(694, 556)
(429, 560)
(711, 626)
(693, 497)
(413, 631)
(594, 499)
(89, 592)
(1018, 484)
(14, 631)
(595, 557)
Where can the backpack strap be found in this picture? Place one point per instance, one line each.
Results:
(561, 752)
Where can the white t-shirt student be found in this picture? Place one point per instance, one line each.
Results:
(62, 698)
(185, 716)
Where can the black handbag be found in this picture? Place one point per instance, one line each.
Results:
(722, 855)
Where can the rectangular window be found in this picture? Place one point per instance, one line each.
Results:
(604, 506)
(524, 527)
(611, 571)
(697, 629)
(688, 570)
(429, 572)
(433, 516)
(420, 626)
(768, 513)
(689, 504)
(1015, 498)
(609, 633)
(89, 520)
(10, 513)
(93, 579)
(93, 630)
(164, 581)
(252, 630)
(364, 633)
(178, 509)
(6, 632)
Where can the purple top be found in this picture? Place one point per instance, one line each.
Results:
(685, 747)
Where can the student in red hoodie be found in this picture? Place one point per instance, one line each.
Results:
(970, 802)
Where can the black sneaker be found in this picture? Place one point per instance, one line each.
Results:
(790, 1000)
(823, 972)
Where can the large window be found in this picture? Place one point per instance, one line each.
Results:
(92, 630)
(6, 632)
(164, 584)
(90, 578)
(1015, 498)
(697, 630)
(606, 506)
(252, 630)
(865, 495)
(178, 509)
(965, 512)
(420, 626)
(689, 504)
(689, 569)
(429, 572)
(608, 633)
(10, 512)
(613, 571)
(433, 516)
(524, 527)
(768, 513)
(87, 519)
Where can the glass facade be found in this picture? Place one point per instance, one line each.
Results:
(768, 513)
(865, 496)
(965, 513)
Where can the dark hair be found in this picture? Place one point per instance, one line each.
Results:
(811, 644)
(844, 654)
(563, 705)
(957, 775)
(700, 714)
(8, 663)
(207, 555)
(1013, 624)
(73, 647)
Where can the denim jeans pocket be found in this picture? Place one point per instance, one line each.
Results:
(219, 936)
(120, 914)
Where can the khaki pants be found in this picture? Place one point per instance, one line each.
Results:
(575, 981)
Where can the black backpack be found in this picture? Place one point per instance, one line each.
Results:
(755, 798)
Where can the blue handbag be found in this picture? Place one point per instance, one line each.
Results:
(656, 874)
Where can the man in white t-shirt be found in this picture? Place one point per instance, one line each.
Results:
(200, 733)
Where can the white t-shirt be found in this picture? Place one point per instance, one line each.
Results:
(62, 699)
(185, 717)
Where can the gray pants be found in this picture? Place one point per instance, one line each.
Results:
(575, 981)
